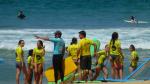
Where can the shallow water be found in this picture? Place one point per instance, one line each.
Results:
(7, 69)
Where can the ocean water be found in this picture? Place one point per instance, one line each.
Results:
(7, 64)
(99, 18)
(73, 13)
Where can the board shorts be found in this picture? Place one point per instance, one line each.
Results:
(85, 62)
(19, 65)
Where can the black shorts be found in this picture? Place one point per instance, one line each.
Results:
(19, 64)
(85, 62)
(114, 57)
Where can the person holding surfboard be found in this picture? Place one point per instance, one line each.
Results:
(20, 63)
(116, 56)
(134, 58)
(85, 55)
(59, 51)
(38, 57)
(72, 52)
(102, 56)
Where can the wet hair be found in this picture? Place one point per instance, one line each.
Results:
(20, 42)
(74, 40)
(83, 33)
(41, 42)
(113, 39)
(132, 17)
(132, 47)
(30, 52)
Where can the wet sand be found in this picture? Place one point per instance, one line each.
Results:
(131, 82)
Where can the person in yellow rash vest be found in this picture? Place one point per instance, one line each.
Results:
(20, 64)
(102, 56)
(72, 52)
(134, 58)
(38, 56)
(85, 55)
(116, 56)
(30, 65)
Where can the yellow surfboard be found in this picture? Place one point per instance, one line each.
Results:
(69, 67)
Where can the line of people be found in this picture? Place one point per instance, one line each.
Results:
(80, 53)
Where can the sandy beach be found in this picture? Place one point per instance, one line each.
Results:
(131, 82)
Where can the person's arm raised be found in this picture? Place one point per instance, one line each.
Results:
(43, 38)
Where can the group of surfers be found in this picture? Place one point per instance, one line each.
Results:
(81, 55)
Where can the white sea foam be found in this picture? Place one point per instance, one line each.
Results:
(137, 36)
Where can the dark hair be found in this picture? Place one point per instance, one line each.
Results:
(114, 37)
(74, 40)
(30, 52)
(132, 17)
(132, 46)
(106, 46)
(58, 32)
(20, 42)
(41, 42)
(83, 33)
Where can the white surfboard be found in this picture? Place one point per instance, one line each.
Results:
(141, 22)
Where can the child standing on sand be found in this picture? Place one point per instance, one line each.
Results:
(30, 65)
(134, 58)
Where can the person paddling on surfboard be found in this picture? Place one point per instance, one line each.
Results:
(133, 20)
(21, 15)
(102, 56)
(134, 58)
(59, 51)
(85, 55)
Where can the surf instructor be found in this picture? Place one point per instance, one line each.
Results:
(59, 50)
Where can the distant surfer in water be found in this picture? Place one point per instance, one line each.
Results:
(21, 15)
(133, 20)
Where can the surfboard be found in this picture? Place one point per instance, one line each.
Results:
(69, 67)
(92, 47)
(142, 22)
